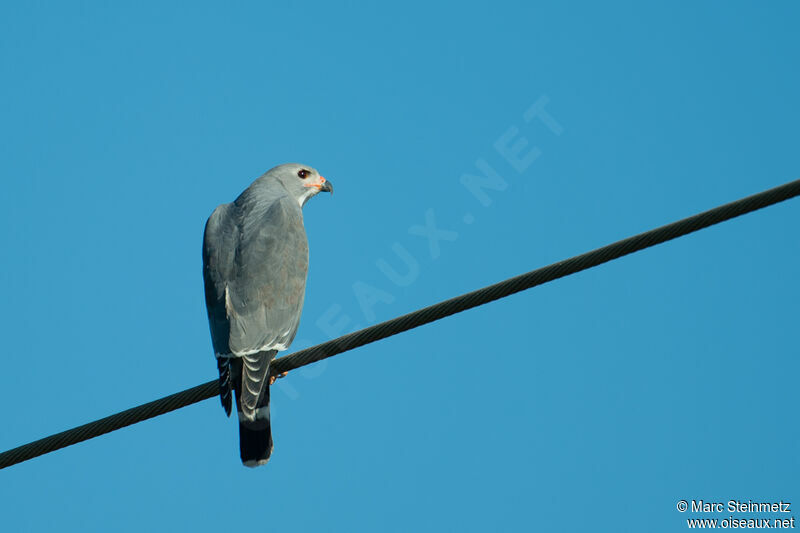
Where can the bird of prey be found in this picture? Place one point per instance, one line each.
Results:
(255, 260)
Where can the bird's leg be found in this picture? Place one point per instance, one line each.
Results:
(273, 378)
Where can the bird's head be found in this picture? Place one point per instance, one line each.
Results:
(300, 181)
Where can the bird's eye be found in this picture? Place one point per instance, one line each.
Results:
(302, 174)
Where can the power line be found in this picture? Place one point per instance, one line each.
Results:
(413, 320)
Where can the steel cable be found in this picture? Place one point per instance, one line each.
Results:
(413, 319)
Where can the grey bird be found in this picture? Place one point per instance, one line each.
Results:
(255, 261)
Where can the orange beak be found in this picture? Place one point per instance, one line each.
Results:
(323, 185)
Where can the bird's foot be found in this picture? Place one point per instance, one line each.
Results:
(273, 378)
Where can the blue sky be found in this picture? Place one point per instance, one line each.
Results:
(594, 403)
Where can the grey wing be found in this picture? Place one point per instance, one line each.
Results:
(264, 298)
(219, 248)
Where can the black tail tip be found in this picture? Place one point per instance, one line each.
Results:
(255, 445)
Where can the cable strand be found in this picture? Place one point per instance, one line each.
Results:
(413, 320)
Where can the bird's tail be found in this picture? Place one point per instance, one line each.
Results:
(252, 404)
(255, 438)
